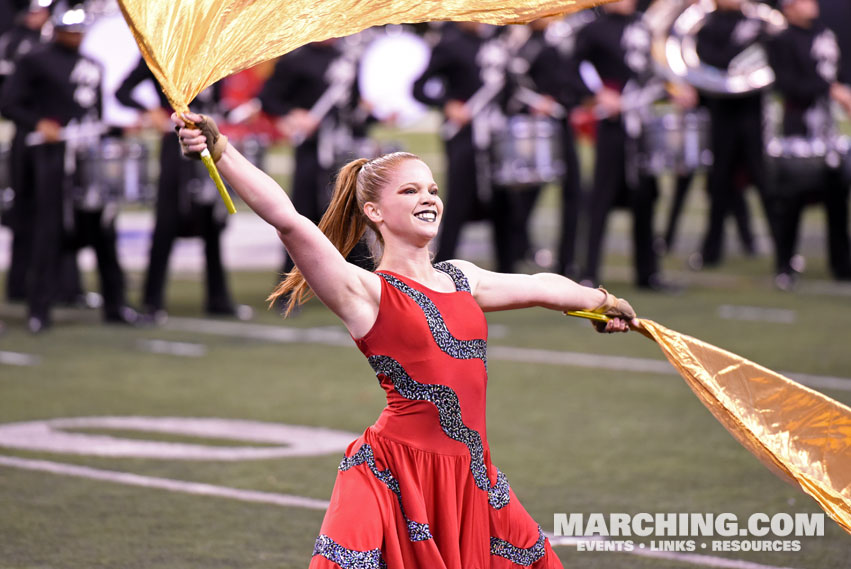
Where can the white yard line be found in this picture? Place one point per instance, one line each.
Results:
(757, 314)
(197, 488)
(18, 359)
(184, 349)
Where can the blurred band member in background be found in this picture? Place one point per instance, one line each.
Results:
(179, 212)
(617, 44)
(19, 40)
(53, 87)
(736, 137)
(300, 79)
(454, 75)
(806, 62)
(550, 73)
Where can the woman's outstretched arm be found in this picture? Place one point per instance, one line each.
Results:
(349, 291)
(501, 291)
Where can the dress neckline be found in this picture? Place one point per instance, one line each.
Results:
(421, 285)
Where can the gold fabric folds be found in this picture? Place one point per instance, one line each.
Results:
(800, 434)
(191, 44)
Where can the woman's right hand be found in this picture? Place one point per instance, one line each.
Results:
(197, 132)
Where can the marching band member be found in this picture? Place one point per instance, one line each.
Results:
(320, 71)
(465, 67)
(806, 61)
(14, 44)
(52, 87)
(178, 212)
(617, 44)
(550, 74)
(737, 144)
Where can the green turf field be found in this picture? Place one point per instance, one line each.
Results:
(570, 438)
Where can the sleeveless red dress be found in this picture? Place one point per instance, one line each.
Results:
(417, 489)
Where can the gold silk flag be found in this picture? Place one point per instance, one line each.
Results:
(191, 44)
(801, 435)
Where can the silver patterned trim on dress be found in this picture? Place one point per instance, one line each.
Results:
(449, 344)
(449, 412)
(519, 555)
(459, 278)
(365, 455)
(348, 558)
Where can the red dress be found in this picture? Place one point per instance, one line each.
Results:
(417, 489)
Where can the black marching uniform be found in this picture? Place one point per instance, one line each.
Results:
(14, 44)
(58, 83)
(805, 63)
(736, 133)
(454, 73)
(299, 80)
(618, 46)
(178, 212)
(550, 72)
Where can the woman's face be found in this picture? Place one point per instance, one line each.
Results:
(409, 205)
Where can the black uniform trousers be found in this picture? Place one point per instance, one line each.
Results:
(174, 213)
(61, 230)
(571, 204)
(612, 188)
(736, 144)
(20, 219)
(787, 207)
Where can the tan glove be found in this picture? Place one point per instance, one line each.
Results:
(614, 307)
(216, 141)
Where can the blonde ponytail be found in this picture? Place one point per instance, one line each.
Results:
(344, 222)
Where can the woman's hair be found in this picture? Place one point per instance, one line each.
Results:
(344, 222)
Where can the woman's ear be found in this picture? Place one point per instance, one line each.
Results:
(370, 209)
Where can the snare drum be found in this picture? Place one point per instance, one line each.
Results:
(99, 175)
(797, 164)
(527, 152)
(138, 184)
(111, 171)
(674, 141)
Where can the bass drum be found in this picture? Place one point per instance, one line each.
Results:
(527, 152)
(674, 141)
(389, 66)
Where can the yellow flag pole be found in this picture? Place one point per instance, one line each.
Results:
(207, 159)
(588, 314)
(220, 185)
